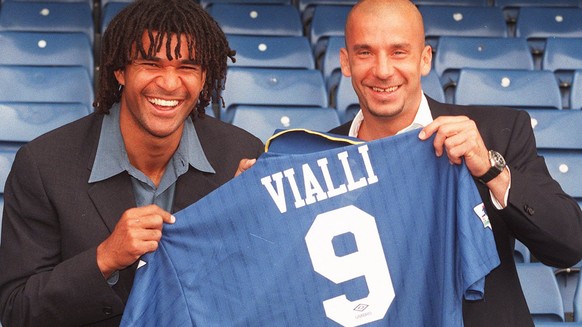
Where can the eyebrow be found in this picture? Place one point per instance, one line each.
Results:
(182, 61)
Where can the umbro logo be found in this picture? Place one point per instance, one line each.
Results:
(361, 307)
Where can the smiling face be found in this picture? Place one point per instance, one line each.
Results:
(385, 56)
(159, 93)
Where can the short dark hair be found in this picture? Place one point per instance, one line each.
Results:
(206, 43)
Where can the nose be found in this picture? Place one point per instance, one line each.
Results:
(384, 67)
(169, 79)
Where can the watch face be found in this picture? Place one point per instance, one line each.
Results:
(497, 160)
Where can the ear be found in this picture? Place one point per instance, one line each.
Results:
(345, 62)
(426, 60)
(120, 76)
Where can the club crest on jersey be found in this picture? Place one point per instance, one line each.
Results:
(482, 214)
(314, 189)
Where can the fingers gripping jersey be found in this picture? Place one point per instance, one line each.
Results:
(378, 234)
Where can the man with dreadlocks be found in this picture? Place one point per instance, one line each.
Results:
(84, 202)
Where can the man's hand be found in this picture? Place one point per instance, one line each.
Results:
(137, 232)
(459, 137)
(243, 165)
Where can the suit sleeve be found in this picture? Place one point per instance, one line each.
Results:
(38, 287)
(539, 212)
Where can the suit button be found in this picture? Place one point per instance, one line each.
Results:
(529, 210)
(107, 311)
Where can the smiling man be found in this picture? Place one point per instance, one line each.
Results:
(84, 202)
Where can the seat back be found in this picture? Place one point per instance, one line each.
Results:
(45, 85)
(541, 292)
(7, 155)
(540, 22)
(513, 88)
(263, 121)
(46, 49)
(47, 17)
(271, 51)
(521, 253)
(272, 87)
(208, 3)
(557, 129)
(454, 53)
(109, 11)
(22, 122)
(565, 166)
(462, 21)
(328, 20)
(257, 19)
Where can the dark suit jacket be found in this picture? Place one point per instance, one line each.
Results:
(539, 213)
(54, 220)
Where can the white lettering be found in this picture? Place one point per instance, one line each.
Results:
(312, 186)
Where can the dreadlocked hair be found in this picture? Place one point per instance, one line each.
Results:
(122, 43)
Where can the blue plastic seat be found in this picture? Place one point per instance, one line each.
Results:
(454, 53)
(307, 7)
(462, 21)
(562, 56)
(557, 129)
(511, 7)
(328, 20)
(46, 49)
(263, 121)
(330, 62)
(272, 87)
(521, 253)
(208, 3)
(271, 51)
(565, 166)
(578, 300)
(512, 88)
(109, 11)
(22, 122)
(47, 17)
(257, 19)
(483, 3)
(576, 93)
(45, 85)
(541, 292)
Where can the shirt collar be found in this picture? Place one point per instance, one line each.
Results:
(423, 117)
(111, 156)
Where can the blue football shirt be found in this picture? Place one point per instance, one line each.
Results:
(382, 233)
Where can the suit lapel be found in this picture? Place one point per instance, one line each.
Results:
(112, 197)
(191, 187)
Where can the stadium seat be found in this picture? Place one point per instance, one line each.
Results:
(257, 19)
(46, 49)
(1, 211)
(567, 279)
(307, 7)
(462, 21)
(347, 103)
(208, 3)
(109, 11)
(539, 23)
(88, 2)
(562, 56)
(47, 17)
(263, 121)
(45, 85)
(328, 20)
(521, 253)
(541, 292)
(272, 87)
(483, 3)
(578, 300)
(22, 122)
(271, 51)
(511, 7)
(454, 53)
(565, 166)
(512, 88)
(576, 93)
(557, 129)
(330, 63)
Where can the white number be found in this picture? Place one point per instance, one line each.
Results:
(368, 261)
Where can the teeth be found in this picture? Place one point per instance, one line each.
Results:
(390, 89)
(164, 103)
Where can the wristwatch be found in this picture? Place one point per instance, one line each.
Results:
(497, 166)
